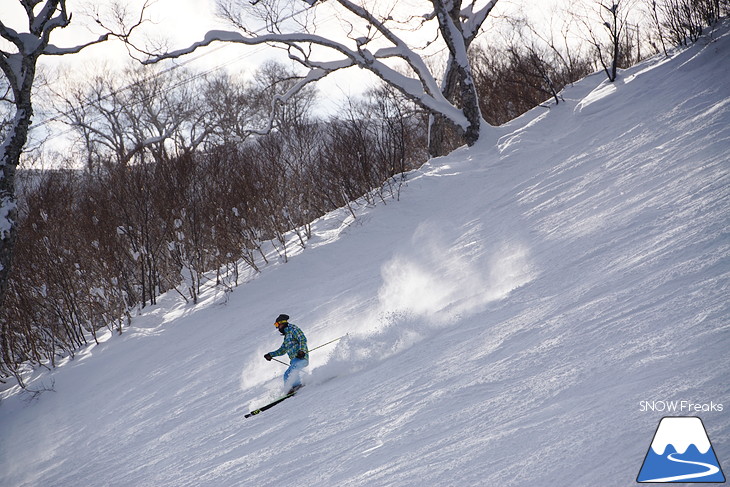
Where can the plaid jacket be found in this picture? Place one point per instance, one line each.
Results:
(294, 340)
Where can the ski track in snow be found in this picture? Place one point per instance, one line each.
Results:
(504, 319)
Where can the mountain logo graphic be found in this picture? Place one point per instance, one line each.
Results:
(681, 452)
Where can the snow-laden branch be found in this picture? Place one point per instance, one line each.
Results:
(52, 50)
(12, 36)
(472, 21)
(38, 24)
(400, 48)
(422, 90)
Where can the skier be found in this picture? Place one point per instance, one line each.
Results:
(295, 346)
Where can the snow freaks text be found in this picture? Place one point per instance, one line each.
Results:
(679, 406)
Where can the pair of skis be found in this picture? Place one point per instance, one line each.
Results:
(270, 405)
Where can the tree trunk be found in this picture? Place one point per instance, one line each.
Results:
(9, 160)
(457, 87)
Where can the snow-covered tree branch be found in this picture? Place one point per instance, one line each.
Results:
(384, 41)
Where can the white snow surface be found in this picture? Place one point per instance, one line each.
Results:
(505, 319)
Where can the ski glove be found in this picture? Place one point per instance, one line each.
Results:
(301, 354)
(268, 357)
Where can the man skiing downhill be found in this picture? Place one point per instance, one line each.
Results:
(295, 346)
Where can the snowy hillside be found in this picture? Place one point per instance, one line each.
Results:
(506, 319)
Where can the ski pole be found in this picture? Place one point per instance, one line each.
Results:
(333, 341)
(312, 349)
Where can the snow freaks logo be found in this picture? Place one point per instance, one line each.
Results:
(680, 452)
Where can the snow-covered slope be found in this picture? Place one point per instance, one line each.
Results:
(506, 319)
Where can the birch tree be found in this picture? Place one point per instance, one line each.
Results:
(384, 38)
(19, 55)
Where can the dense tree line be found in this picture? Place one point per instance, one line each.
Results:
(183, 184)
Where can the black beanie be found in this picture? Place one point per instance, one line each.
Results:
(282, 318)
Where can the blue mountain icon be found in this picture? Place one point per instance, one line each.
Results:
(681, 452)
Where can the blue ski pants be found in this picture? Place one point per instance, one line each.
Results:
(292, 376)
